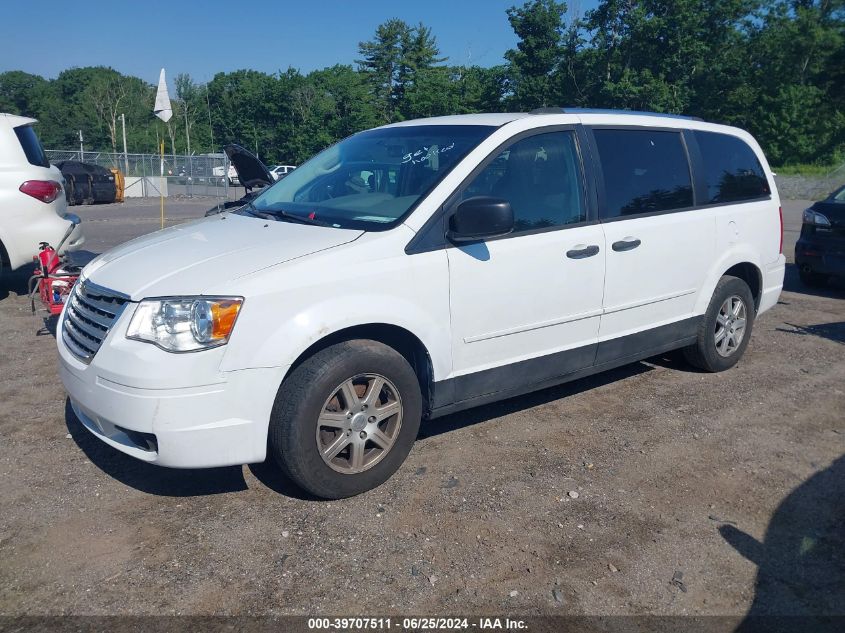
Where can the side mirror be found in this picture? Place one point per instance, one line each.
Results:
(479, 218)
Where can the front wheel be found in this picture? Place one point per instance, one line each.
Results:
(345, 419)
(725, 329)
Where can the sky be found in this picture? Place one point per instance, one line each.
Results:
(203, 38)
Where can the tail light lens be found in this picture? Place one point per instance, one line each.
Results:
(780, 213)
(44, 190)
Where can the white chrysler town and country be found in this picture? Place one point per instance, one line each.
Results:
(415, 270)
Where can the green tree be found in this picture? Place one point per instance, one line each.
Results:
(539, 26)
(21, 93)
(393, 61)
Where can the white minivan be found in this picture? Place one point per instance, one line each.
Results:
(415, 270)
(33, 207)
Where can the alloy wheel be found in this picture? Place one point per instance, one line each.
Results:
(730, 325)
(359, 423)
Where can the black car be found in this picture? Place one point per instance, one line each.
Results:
(820, 251)
(252, 174)
(86, 183)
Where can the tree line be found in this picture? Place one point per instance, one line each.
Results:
(773, 67)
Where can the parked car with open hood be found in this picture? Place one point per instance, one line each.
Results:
(33, 207)
(416, 270)
(820, 250)
(249, 171)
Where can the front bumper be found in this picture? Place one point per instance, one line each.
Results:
(823, 255)
(207, 418)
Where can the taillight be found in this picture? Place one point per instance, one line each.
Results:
(780, 213)
(44, 190)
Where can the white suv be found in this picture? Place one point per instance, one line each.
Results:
(416, 270)
(33, 207)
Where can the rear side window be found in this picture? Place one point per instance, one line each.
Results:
(645, 171)
(31, 146)
(731, 169)
(541, 178)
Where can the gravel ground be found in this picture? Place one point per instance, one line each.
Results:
(696, 493)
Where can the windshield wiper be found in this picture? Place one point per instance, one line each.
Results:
(277, 214)
(250, 208)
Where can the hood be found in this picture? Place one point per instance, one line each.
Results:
(197, 256)
(251, 171)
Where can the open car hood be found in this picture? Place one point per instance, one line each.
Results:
(251, 172)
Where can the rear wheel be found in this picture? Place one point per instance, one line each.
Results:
(345, 419)
(725, 329)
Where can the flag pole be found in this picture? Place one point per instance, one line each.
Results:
(161, 183)
(163, 110)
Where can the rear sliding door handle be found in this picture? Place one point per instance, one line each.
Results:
(629, 243)
(581, 251)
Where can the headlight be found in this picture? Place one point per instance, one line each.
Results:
(185, 324)
(815, 218)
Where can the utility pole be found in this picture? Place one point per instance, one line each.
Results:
(188, 145)
(187, 129)
(81, 153)
(125, 155)
(210, 127)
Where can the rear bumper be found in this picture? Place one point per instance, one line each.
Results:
(772, 284)
(47, 227)
(220, 423)
(821, 255)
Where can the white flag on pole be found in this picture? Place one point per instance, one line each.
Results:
(162, 107)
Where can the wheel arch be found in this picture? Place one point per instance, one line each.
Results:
(743, 263)
(752, 276)
(400, 339)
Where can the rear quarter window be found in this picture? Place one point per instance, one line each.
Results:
(31, 146)
(732, 171)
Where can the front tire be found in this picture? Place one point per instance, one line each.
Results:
(345, 419)
(725, 329)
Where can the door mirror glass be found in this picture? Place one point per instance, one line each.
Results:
(479, 218)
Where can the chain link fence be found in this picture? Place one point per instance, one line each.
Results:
(207, 175)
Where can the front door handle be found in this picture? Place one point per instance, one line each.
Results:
(581, 251)
(629, 243)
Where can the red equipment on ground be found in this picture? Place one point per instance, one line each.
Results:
(54, 275)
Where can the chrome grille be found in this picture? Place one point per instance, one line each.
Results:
(89, 315)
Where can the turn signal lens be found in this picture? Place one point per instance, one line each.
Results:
(223, 315)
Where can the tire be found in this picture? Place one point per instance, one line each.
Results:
(712, 352)
(329, 404)
(812, 279)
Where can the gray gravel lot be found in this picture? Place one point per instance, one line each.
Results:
(697, 493)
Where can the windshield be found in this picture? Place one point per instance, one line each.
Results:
(372, 179)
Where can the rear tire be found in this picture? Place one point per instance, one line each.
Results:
(345, 420)
(725, 329)
(812, 279)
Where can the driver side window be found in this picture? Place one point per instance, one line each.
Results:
(541, 178)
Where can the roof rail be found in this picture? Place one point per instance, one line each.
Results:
(611, 111)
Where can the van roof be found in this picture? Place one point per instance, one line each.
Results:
(499, 119)
(13, 120)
